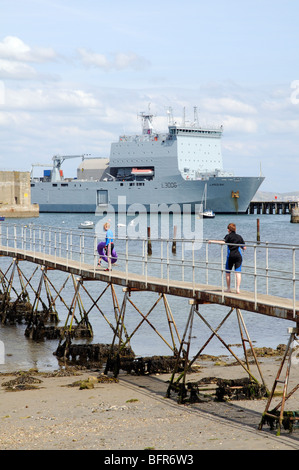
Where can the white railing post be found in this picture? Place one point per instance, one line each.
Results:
(167, 263)
(95, 252)
(83, 247)
(207, 263)
(59, 252)
(255, 277)
(67, 249)
(80, 251)
(44, 244)
(267, 268)
(294, 283)
(71, 245)
(183, 259)
(15, 236)
(193, 268)
(33, 240)
(145, 266)
(143, 254)
(127, 260)
(55, 246)
(161, 254)
(222, 273)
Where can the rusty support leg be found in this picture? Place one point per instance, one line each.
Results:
(113, 359)
(247, 339)
(285, 395)
(145, 318)
(207, 342)
(83, 314)
(24, 294)
(215, 333)
(51, 304)
(95, 304)
(188, 330)
(227, 347)
(34, 321)
(171, 322)
(7, 292)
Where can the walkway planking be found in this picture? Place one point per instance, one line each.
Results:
(273, 306)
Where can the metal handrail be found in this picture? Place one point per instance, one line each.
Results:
(191, 265)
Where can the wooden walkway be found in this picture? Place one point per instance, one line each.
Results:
(273, 306)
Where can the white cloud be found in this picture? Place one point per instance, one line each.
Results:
(237, 124)
(283, 126)
(118, 61)
(16, 70)
(16, 59)
(228, 105)
(13, 48)
(43, 99)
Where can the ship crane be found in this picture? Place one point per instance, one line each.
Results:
(58, 161)
(56, 165)
(39, 164)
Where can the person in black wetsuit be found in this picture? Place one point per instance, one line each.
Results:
(235, 245)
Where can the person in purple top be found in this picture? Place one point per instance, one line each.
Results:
(109, 244)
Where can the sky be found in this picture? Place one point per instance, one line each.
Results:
(75, 75)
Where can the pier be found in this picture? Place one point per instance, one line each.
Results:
(192, 270)
(271, 207)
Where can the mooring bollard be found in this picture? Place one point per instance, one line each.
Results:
(258, 234)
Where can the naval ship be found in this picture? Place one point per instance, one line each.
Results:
(182, 166)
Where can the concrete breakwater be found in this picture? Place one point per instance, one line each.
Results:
(15, 195)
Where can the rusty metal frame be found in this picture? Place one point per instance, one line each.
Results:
(188, 331)
(288, 353)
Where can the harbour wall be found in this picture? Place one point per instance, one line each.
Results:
(15, 195)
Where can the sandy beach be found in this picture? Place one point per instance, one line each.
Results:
(132, 413)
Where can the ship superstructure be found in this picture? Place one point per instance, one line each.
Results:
(179, 167)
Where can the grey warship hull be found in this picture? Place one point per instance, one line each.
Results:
(181, 168)
(90, 197)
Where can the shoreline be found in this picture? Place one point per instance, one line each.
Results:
(133, 413)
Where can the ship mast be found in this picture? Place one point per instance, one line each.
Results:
(147, 123)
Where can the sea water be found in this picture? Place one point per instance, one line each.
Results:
(18, 352)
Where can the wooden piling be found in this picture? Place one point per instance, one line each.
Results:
(258, 235)
(174, 240)
(295, 215)
(149, 243)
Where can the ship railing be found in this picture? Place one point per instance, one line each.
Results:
(268, 268)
